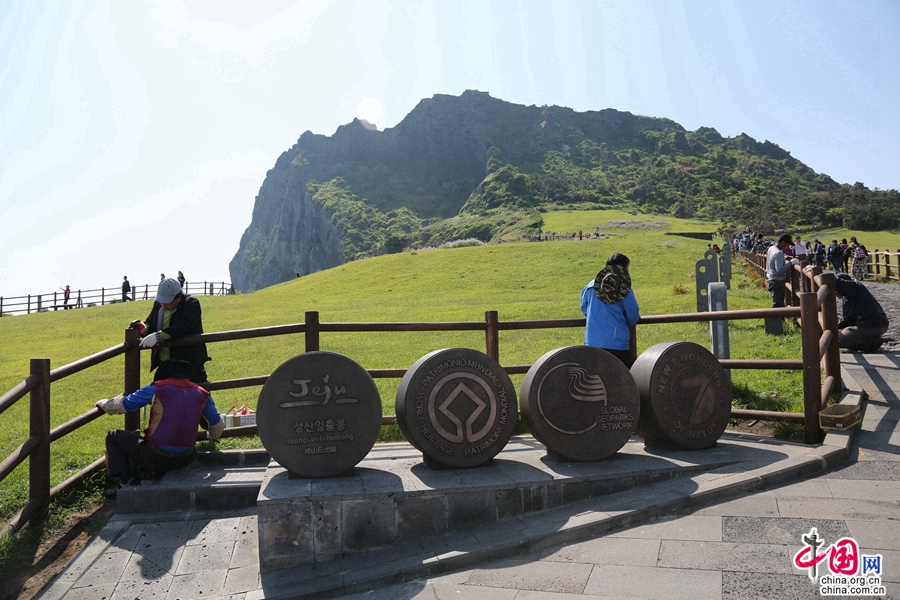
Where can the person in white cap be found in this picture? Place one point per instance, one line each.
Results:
(174, 315)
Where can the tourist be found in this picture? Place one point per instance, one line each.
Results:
(176, 408)
(860, 256)
(126, 288)
(835, 255)
(611, 309)
(777, 269)
(863, 321)
(846, 256)
(174, 315)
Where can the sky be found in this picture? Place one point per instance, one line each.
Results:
(134, 136)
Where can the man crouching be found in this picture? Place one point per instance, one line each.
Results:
(177, 404)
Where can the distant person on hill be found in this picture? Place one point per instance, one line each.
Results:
(580, 235)
(835, 255)
(174, 315)
(177, 406)
(126, 288)
(181, 279)
(777, 269)
(67, 293)
(611, 309)
(863, 321)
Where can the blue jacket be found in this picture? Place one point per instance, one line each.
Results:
(607, 324)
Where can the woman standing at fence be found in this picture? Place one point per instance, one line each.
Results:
(611, 309)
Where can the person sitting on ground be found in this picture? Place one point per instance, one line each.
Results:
(863, 320)
(177, 405)
(611, 309)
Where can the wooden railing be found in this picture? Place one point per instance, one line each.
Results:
(32, 303)
(816, 312)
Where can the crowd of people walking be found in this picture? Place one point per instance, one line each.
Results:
(841, 257)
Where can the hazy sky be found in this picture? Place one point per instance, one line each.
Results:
(135, 135)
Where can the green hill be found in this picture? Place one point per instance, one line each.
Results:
(536, 280)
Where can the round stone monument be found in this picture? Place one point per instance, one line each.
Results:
(319, 414)
(458, 406)
(685, 396)
(581, 402)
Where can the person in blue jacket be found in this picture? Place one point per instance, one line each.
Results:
(177, 404)
(611, 309)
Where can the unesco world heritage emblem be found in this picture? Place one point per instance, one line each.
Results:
(319, 414)
(685, 395)
(458, 406)
(581, 402)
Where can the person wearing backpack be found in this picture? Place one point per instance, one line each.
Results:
(835, 255)
(860, 257)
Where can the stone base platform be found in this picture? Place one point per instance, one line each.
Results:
(393, 500)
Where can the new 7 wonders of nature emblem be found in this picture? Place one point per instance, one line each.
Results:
(319, 414)
(685, 395)
(458, 406)
(581, 402)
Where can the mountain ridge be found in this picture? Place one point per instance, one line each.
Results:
(476, 166)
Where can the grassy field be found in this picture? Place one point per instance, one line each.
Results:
(538, 280)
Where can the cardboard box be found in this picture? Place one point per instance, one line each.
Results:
(239, 417)
(839, 416)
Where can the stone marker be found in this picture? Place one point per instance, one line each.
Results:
(581, 402)
(458, 406)
(319, 414)
(685, 395)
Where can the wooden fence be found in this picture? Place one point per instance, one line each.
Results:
(815, 310)
(82, 298)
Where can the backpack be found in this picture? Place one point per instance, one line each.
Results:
(859, 252)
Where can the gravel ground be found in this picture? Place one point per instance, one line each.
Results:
(888, 295)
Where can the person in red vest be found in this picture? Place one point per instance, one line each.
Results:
(176, 407)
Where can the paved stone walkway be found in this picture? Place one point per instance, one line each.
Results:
(738, 548)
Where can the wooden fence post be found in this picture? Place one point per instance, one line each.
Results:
(312, 330)
(492, 334)
(887, 265)
(829, 322)
(39, 461)
(132, 375)
(877, 262)
(811, 331)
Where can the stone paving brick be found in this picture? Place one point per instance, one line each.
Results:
(607, 551)
(880, 535)
(740, 586)
(207, 584)
(543, 576)
(726, 556)
(691, 527)
(655, 583)
(828, 508)
(866, 490)
(242, 579)
(198, 559)
(155, 589)
(778, 530)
